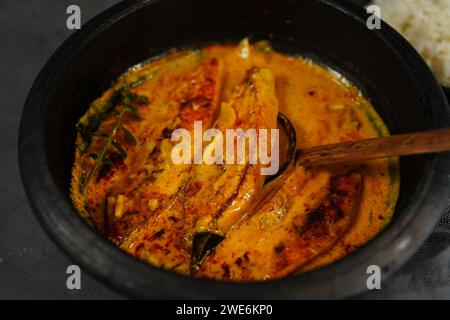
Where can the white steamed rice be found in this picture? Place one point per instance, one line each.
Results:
(426, 24)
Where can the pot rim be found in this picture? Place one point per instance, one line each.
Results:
(390, 249)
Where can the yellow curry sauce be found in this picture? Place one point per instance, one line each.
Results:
(194, 219)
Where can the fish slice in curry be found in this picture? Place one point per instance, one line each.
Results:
(217, 195)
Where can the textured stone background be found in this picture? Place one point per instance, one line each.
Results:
(31, 266)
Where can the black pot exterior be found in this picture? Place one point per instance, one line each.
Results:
(390, 73)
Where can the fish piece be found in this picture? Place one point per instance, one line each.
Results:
(269, 245)
(159, 197)
(177, 90)
(219, 194)
(234, 184)
(161, 242)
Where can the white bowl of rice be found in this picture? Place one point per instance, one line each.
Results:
(426, 25)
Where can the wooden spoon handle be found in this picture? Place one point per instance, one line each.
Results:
(384, 147)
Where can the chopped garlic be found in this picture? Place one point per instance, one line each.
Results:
(244, 49)
(153, 204)
(118, 212)
(337, 106)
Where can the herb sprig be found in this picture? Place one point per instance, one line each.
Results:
(128, 99)
(90, 123)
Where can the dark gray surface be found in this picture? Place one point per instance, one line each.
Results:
(31, 266)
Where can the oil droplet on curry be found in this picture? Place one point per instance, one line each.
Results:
(194, 219)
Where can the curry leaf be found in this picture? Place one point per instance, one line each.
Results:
(132, 96)
(119, 148)
(141, 99)
(101, 157)
(100, 134)
(88, 126)
(130, 136)
(138, 82)
(133, 110)
(107, 162)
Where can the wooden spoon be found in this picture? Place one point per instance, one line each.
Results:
(347, 152)
(376, 148)
(359, 150)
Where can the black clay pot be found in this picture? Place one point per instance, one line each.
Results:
(381, 63)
